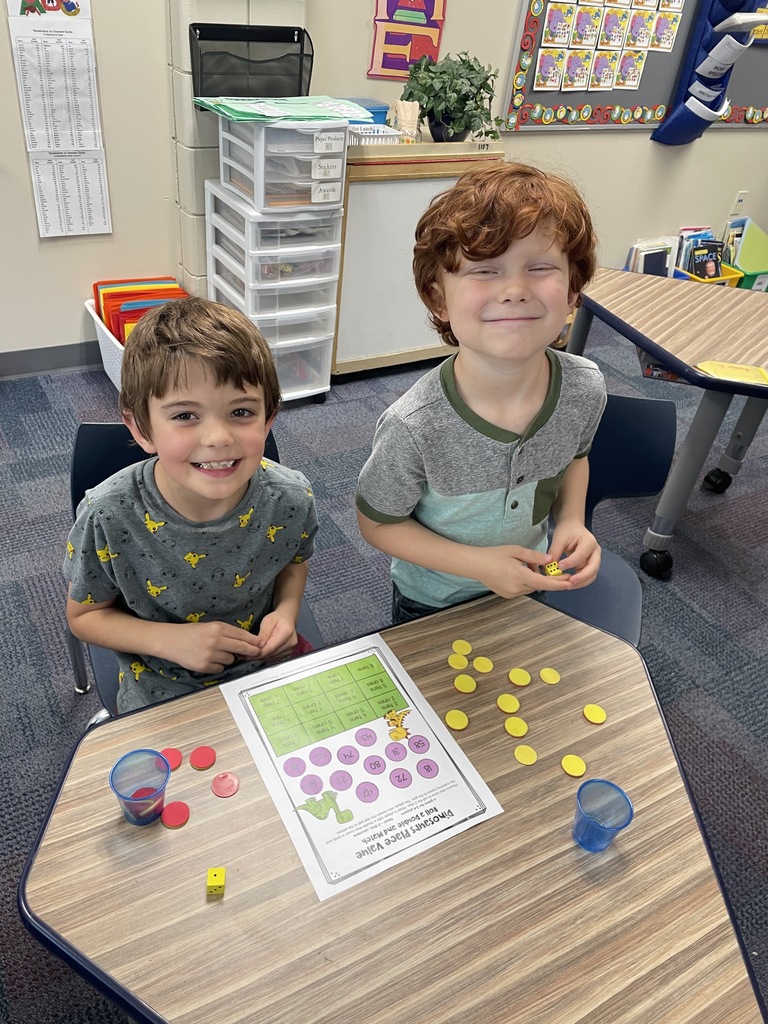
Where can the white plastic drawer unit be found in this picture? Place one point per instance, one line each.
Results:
(270, 298)
(280, 265)
(228, 214)
(277, 166)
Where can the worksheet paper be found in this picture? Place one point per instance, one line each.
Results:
(55, 67)
(362, 771)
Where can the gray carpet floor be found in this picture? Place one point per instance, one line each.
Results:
(704, 638)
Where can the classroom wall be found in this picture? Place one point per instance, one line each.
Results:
(634, 186)
(45, 281)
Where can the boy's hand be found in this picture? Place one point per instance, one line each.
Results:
(582, 553)
(212, 647)
(276, 637)
(509, 571)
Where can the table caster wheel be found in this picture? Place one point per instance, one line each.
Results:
(717, 481)
(319, 399)
(657, 564)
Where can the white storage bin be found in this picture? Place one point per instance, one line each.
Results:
(228, 214)
(110, 348)
(303, 369)
(283, 165)
(268, 299)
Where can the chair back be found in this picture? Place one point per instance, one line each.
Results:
(101, 449)
(632, 450)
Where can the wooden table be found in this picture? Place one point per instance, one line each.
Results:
(679, 324)
(507, 923)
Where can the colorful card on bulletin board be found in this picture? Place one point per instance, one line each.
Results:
(362, 771)
(638, 48)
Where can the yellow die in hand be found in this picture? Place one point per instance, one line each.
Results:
(552, 569)
(216, 881)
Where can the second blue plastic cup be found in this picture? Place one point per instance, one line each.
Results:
(603, 809)
(138, 780)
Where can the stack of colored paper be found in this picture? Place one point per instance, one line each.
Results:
(120, 303)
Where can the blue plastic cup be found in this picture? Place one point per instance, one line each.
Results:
(603, 809)
(138, 780)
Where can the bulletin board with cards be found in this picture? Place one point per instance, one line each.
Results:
(612, 64)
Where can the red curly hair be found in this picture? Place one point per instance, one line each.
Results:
(484, 212)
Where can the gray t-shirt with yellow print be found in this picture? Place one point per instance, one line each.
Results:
(463, 478)
(128, 543)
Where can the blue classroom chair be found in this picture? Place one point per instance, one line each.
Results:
(630, 458)
(101, 449)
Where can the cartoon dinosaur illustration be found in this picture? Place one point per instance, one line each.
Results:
(320, 809)
(395, 720)
(192, 558)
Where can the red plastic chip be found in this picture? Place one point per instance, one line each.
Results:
(225, 784)
(202, 758)
(172, 756)
(175, 814)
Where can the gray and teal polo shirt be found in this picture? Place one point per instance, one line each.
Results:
(438, 462)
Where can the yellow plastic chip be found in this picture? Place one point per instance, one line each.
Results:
(516, 726)
(508, 703)
(482, 664)
(549, 675)
(573, 765)
(519, 676)
(525, 754)
(457, 661)
(594, 713)
(456, 719)
(465, 684)
(462, 646)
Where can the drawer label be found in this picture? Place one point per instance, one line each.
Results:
(330, 142)
(326, 191)
(323, 167)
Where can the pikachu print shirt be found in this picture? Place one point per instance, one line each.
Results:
(127, 543)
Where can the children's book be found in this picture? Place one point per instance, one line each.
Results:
(688, 237)
(706, 259)
(653, 256)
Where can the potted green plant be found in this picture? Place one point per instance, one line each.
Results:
(454, 94)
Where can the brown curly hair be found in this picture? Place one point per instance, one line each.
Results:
(484, 212)
(168, 337)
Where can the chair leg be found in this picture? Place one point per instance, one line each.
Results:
(77, 658)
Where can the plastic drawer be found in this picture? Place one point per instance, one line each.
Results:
(301, 325)
(302, 369)
(252, 230)
(280, 166)
(277, 265)
(268, 299)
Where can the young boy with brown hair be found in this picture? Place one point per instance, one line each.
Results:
(191, 565)
(468, 465)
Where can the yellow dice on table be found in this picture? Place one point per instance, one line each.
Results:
(552, 569)
(217, 878)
